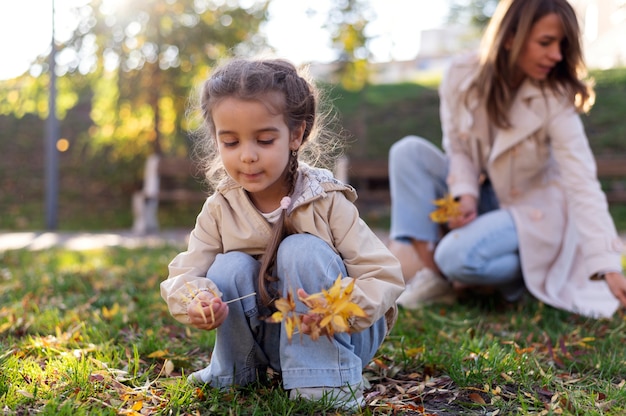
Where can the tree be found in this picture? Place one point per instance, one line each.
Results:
(142, 60)
(475, 13)
(347, 22)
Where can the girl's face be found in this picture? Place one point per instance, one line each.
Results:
(255, 144)
(541, 50)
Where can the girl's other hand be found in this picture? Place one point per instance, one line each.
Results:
(310, 323)
(468, 207)
(207, 311)
(617, 284)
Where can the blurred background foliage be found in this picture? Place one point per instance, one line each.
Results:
(126, 80)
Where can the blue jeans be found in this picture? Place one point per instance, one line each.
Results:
(246, 345)
(484, 252)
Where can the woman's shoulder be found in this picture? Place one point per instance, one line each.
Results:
(546, 99)
(460, 71)
(463, 63)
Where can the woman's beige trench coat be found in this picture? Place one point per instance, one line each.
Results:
(544, 173)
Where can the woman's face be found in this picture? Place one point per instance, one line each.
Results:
(542, 49)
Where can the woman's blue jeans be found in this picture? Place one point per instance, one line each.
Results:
(246, 345)
(484, 252)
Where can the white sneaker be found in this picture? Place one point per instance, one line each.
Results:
(198, 378)
(347, 398)
(425, 288)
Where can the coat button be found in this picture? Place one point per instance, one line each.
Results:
(536, 214)
(618, 245)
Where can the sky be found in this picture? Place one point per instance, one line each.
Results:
(295, 29)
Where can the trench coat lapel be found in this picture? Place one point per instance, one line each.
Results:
(524, 120)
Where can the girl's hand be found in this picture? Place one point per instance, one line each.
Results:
(310, 323)
(617, 284)
(468, 207)
(207, 311)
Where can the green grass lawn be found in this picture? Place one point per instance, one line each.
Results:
(87, 333)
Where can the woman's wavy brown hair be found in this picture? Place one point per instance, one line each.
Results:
(514, 19)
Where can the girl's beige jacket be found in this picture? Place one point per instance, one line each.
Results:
(544, 173)
(321, 206)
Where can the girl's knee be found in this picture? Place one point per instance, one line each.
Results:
(229, 268)
(451, 256)
(308, 261)
(296, 246)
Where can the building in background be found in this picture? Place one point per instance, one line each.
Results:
(603, 25)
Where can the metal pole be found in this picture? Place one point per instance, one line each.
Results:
(52, 135)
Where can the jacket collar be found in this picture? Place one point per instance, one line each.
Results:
(312, 183)
(523, 119)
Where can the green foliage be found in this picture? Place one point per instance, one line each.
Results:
(96, 187)
(605, 130)
(163, 50)
(476, 13)
(347, 22)
(139, 61)
(379, 115)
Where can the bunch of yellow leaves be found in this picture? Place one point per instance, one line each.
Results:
(334, 307)
(447, 208)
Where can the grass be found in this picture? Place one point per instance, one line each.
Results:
(86, 333)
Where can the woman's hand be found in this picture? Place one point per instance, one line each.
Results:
(207, 311)
(468, 207)
(617, 284)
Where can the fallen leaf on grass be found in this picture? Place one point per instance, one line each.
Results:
(158, 354)
(477, 398)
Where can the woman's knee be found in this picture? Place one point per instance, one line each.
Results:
(452, 257)
(407, 148)
(412, 155)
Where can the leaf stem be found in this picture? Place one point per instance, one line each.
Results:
(241, 297)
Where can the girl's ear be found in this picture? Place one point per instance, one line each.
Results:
(296, 136)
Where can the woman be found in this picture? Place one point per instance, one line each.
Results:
(531, 211)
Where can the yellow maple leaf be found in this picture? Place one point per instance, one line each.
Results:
(109, 314)
(286, 312)
(335, 307)
(447, 208)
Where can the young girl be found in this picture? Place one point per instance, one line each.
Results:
(275, 226)
(518, 161)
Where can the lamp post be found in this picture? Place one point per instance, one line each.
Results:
(52, 135)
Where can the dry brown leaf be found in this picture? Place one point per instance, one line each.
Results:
(477, 398)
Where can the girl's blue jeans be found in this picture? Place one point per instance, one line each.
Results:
(484, 252)
(246, 345)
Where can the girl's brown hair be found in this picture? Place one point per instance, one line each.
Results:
(287, 90)
(514, 19)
